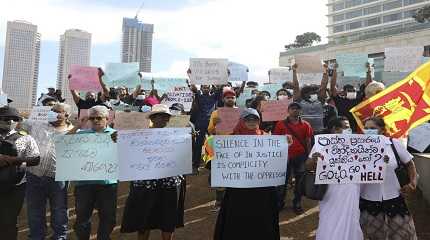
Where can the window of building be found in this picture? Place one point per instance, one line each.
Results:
(353, 25)
(353, 14)
(392, 17)
(409, 14)
(352, 3)
(372, 10)
(339, 28)
(338, 6)
(368, 1)
(410, 2)
(372, 21)
(427, 51)
(337, 18)
(392, 5)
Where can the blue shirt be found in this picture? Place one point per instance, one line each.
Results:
(102, 182)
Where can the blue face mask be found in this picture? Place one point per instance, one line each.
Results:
(371, 131)
(347, 131)
(52, 116)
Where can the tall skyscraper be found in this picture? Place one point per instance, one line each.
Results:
(75, 48)
(137, 43)
(21, 64)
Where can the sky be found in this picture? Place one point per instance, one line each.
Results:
(249, 32)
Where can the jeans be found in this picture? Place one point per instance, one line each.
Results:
(296, 167)
(103, 198)
(10, 205)
(39, 191)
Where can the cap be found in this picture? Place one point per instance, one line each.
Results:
(249, 112)
(177, 107)
(7, 111)
(159, 108)
(295, 104)
(228, 92)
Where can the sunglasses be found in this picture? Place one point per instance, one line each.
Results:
(96, 118)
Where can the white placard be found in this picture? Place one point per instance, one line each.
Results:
(419, 137)
(209, 71)
(309, 78)
(40, 113)
(154, 153)
(238, 72)
(352, 158)
(403, 59)
(280, 75)
(247, 161)
(181, 95)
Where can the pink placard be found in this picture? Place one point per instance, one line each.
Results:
(84, 78)
(229, 117)
(274, 110)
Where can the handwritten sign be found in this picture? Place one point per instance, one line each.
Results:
(280, 75)
(40, 113)
(122, 74)
(249, 161)
(180, 121)
(208, 71)
(181, 95)
(352, 64)
(352, 158)
(403, 59)
(3, 100)
(419, 137)
(154, 153)
(86, 157)
(309, 79)
(84, 78)
(274, 110)
(229, 117)
(131, 120)
(308, 63)
(164, 85)
(238, 72)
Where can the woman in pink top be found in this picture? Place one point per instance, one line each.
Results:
(153, 98)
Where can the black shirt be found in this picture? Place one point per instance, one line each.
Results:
(87, 104)
(343, 106)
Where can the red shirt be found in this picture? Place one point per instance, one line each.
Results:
(302, 129)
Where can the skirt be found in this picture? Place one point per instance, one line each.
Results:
(250, 214)
(154, 208)
(386, 224)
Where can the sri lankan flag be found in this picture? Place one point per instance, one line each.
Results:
(403, 105)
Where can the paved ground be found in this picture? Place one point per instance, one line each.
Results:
(200, 221)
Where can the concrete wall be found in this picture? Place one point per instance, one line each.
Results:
(422, 162)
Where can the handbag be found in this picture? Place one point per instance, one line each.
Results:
(401, 170)
(310, 189)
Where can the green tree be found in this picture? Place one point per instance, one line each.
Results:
(423, 14)
(304, 40)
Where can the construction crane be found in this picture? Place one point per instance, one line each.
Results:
(138, 10)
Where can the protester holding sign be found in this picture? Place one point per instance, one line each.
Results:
(229, 99)
(41, 184)
(157, 203)
(102, 194)
(384, 214)
(339, 217)
(301, 132)
(17, 150)
(248, 213)
(313, 102)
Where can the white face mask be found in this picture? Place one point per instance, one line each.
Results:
(371, 131)
(313, 98)
(114, 101)
(140, 97)
(347, 131)
(52, 116)
(175, 112)
(145, 108)
(351, 95)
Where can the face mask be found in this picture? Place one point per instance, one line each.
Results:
(114, 101)
(351, 95)
(7, 126)
(266, 98)
(282, 97)
(290, 91)
(313, 98)
(347, 131)
(52, 116)
(145, 108)
(140, 97)
(370, 131)
(175, 112)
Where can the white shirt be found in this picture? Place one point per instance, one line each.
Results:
(390, 188)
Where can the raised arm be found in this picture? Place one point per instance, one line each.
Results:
(75, 94)
(240, 90)
(137, 91)
(368, 74)
(333, 82)
(296, 87)
(324, 83)
(105, 89)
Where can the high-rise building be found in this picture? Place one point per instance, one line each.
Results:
(368, 26)
(21, 64)
(75, 48)
(137, 43)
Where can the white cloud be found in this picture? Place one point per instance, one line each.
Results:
(249, 32)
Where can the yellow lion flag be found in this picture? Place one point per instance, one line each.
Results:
(403, 105)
